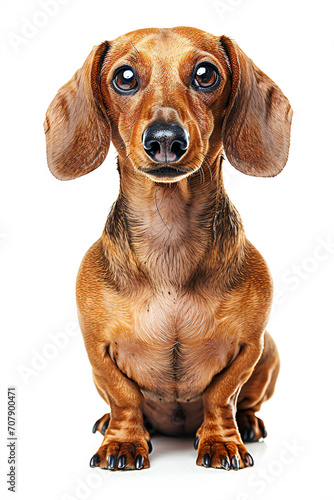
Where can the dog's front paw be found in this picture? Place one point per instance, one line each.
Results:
(117, 455)
(215, 451)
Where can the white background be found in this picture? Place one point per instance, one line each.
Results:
(47, 226)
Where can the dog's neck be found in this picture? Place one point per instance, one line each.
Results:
(171, 228)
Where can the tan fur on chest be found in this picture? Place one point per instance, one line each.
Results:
(176, 346)
(171, 316)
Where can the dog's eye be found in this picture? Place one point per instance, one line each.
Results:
(125, 80)
(206, 77)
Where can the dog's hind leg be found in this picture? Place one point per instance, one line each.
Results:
(259, 387)
(101, 424)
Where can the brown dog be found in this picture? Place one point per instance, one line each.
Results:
(173, 300)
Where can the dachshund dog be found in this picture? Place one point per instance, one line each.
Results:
(173, 300)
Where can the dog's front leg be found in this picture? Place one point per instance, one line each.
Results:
(218, 439)
(126, 441)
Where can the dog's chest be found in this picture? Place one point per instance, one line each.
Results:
(175, 348)
(171, 317)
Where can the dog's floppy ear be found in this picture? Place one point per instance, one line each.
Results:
(256, 131)
(76, 125)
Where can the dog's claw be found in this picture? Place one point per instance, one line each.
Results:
(150, 446)
(235, 462)
(206, 460)
(262, 429)
(139, 462)
(105, 427)
(94, 460)
(196, 443)
(121, 462)
(102, 424)
(251, 428)
(248, 459)
(111, 462)
(251, 434)
(225, 463)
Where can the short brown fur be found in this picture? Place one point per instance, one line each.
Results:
(173, 300)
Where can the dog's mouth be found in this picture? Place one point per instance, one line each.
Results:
(165, 172)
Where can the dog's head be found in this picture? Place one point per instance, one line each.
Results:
(169, 100)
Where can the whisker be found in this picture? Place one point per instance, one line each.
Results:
(208, 165)
(125, 145)
(156, 204)
(122, 147)
(201, 170)
(174, 188)
(163, 195)
(127, 156)
(202, 173)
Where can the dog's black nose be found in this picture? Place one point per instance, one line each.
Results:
(165, 142)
